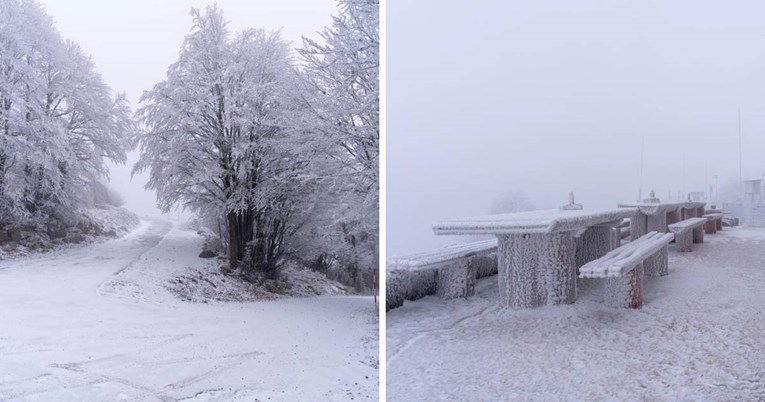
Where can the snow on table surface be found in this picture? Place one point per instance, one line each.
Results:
(648, 208)
(65, 337)
(698, 337)
(436, 257)
(540, 221)
(619, 261)
(684, 224)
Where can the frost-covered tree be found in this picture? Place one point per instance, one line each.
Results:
(219, 138)
(58, 120)
(342, 76)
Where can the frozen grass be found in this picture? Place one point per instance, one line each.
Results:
(699, 336)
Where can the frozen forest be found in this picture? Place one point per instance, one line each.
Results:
(263, 156)
(275, 150)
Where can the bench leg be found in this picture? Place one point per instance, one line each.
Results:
(456, 280)
(719, 224)
(683, 241)
(625, 291)
(657, 264)
(710, 227)
(698, 234)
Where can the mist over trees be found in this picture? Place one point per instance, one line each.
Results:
(59, 122)
(513, 201)
(277, 154)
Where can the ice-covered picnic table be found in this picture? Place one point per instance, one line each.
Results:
(539, 251)
(657, 216)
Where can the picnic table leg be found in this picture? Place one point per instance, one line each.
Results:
(559, 267)
(658, 223)
(698, 234)
(719, 224)
(594, 243)
(700, 211)
(674, 216)
(517, 259)
(657, 264)
(536, 269)
(689, 213)
(638, 226)
(625, 291)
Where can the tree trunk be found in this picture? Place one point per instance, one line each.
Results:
(234, 252)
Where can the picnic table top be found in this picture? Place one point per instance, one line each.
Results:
(540, 221)
(651, 208)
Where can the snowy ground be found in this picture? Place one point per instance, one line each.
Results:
(699, 336)
(96, 323)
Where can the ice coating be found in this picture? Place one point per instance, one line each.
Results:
(650, 208)
(541, 221)
(623, 259)
(432, 259)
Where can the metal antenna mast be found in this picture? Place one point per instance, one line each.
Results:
(640, 189)
(740, 170)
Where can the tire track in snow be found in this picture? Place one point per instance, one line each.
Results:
(156, 233)
(481, 313)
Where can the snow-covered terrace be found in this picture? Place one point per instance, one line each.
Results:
(699, 336)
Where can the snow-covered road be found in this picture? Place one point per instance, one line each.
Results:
(699, 337)
(71, 328)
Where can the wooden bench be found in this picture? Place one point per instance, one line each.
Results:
(453, 270)
(623, 271)
(688, 231)
(714, 223)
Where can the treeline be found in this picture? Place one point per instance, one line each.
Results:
(59, 123)
(277, 151)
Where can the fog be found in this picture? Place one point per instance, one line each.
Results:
(544, 98)
(133, 42)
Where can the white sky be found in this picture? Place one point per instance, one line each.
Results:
(547, 97)
(132, 42)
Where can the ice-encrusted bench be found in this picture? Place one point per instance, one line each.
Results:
(714, 223)
(688, 231)
(455, 271)
(622, 268)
